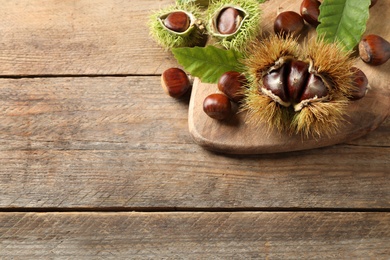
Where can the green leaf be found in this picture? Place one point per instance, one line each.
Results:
(208, 63)
(343, 21)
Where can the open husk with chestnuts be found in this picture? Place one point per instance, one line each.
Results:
(298, 89)
(233, 24)
(177, 26)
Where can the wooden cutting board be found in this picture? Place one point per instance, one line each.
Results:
(237, 137)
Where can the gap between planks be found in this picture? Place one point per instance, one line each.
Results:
(39, 76)
(184, 210)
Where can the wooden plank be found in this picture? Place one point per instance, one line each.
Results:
(260, 235)
(121, 142)
(48, 37)
(84, 37)
(381, 134)
(186, 177)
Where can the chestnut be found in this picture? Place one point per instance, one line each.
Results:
(374, 50)
(228, 21)
(175, 82)
(273, 81)
(373, 2)
(177, 21)
(217, 106)
(315, 87)
(360, 82)
(310, 10)
(289, 22)
(231, 84)
(296, 80)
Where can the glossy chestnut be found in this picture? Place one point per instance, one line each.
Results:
(296, 80)
(374, 50)
(177, 21)
(289, 22)
(231, 83)
(228, 21)
(217, 106)
(274, 81)
(360, 83)
(175, 82)
(310, 10)
(315, 88)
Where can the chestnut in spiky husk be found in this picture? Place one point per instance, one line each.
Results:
(177, 21)
(229, 20)
(298, 90)
(178, 26)
(233, 23)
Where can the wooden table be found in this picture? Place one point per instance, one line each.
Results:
(96, 161)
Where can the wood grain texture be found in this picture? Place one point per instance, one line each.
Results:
(47, 37)
(121, 142)
(284, 235)
(240, 137)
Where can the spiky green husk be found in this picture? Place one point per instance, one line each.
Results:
(319, 118)
(258, 60)
(331, 61)
(334, 65)
(202, 3)
(263, 54)
(261, 109)
(316, 118)
(250, 26)
(168, 39)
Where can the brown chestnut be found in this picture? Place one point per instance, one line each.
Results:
(315, 87)
(373, 2)
(231, 84)
(289, 22)
(360, 82)
(274, 82)
(296, 80)
(374, 50)
(228, 21)
(217, 106)
(310, 10)
(175, 82)
(177, 21)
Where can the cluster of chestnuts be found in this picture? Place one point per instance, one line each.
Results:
(288, 87)
(230, 23)
(219, 105)
(176, 83)
(373, 49)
